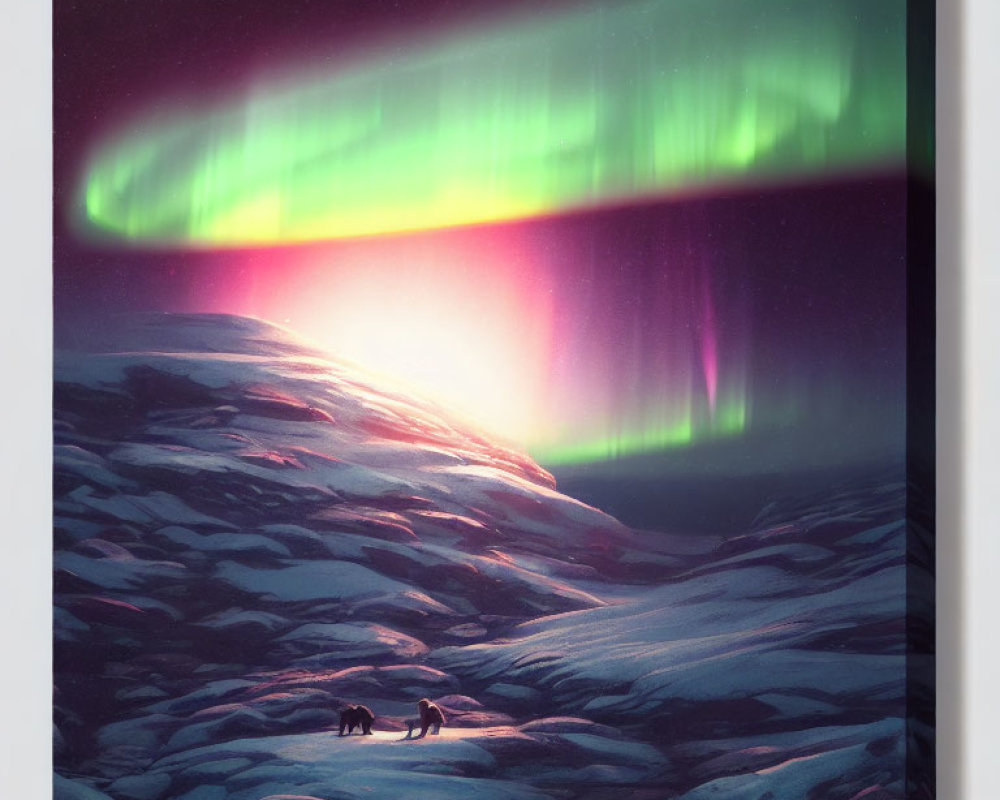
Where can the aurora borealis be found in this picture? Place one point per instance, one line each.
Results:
(563, 109)
(596, 230)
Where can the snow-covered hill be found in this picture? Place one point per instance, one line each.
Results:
(248, 536)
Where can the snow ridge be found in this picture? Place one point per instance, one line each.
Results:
(249, 535)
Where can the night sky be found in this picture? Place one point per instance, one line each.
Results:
(595, 251)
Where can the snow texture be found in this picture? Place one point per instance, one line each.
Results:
(249, 536)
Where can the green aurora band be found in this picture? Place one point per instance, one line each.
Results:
(584, 107)
(728, 420)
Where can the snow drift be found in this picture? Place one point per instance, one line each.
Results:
(249, 535)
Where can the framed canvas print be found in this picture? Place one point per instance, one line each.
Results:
(500, 400)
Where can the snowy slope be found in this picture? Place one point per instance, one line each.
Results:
(248, 536)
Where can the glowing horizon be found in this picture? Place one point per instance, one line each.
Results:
(577, 109)
(476, 341)
(630, 326)
(521, 332)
